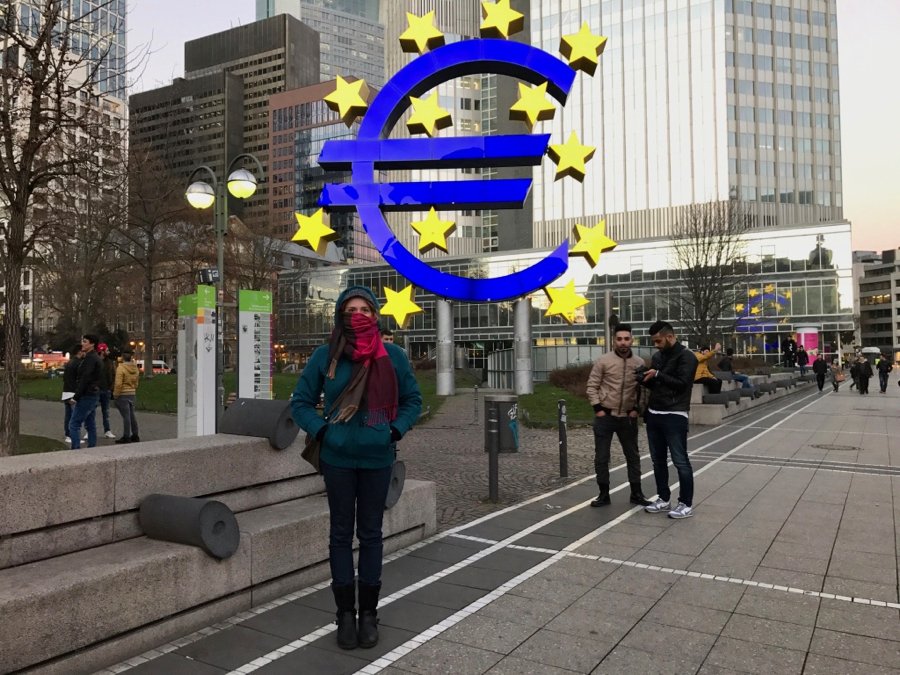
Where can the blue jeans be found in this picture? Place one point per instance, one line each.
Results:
(83, 413)
(668, 434)
(743, 379)
(105, 395)
(356, 495)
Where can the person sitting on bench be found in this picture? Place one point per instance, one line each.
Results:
(726, 366)
(703, 375)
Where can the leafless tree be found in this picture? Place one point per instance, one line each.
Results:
(52, 128)
(708, 247)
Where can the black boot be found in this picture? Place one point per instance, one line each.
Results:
(345, 599)
(603, 498)
(368, 615)
(637, 496)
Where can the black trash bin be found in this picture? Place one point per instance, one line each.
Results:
(508, 421)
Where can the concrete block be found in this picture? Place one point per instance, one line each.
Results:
(26, 547)
(707, 414)
(56, 606)
(417, 506)
(48, 489)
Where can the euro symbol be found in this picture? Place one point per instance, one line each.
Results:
(373, 150)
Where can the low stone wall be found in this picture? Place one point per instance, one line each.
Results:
(81, 588)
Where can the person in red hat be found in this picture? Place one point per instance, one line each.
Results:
(107, 381)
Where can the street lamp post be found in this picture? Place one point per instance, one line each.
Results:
(201, 195)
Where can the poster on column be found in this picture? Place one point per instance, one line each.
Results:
(206, 360)
(187, 365)
(255, 344)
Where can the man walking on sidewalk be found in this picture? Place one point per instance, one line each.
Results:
(87, 393)
(820, 368)
(613, 391)
(884, 367)
(670, 380)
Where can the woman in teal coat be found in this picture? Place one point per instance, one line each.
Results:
(371, 400)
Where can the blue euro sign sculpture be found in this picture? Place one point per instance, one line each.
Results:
(373, 150)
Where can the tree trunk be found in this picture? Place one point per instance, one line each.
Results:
(148, 322)
(12, 348)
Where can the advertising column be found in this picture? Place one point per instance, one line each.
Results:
(187, 365)
(255, 344)
(808, 337)
(206, 360)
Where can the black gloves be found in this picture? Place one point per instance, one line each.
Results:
(395, 435)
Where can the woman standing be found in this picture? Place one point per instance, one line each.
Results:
(124, 391)
(371, 400)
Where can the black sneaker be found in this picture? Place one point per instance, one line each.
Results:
(135, 438)
(123, 440)
(602, 500)
(639, 499)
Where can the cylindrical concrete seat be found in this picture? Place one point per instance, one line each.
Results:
(721, 397)
(768, 387)
(262, 418)
(204, 523)
(733, 395)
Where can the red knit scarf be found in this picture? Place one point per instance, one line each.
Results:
(373, 382)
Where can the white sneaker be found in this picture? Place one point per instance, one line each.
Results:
(681, 511)
(109, 434)
(84, 438)
(659, 506)
(68, 440)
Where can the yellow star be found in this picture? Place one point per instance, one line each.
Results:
(399, 304)
(770, 288)
(787, 294)
(755, 309)
(564, 301)
(739, 307)
(427, 116)
(532, 105)
(570, 158)
(753, 292)
(592, 241)
(421, 34)
(348, 99)
(313, 232)
(500, 20)
(582, 49)
(433, 232)
(777, 306)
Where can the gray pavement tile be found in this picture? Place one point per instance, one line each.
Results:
(484, 632)
(555, 590)
(864, 649)
(593, 623)
(404, 571)
(512, 665)
(673, 613)
(806, 564)
(522, 610)
(446, 595)
(790, 578)
(706, 593)
(779, 606)
(479, 577)
(670, 642)
(673, 560)
(754, 657)
(412, 616)
(511, 560)
(886, 592)
(637, 581)
(615, 603)
(491, 530)
(740, 564)
(629, 660)
(232, 647)
(768, 631)
(459, 541)
(629, 539)
(322, 600)
(601, 548)
(818, 664)
(877, 622)
(175, 664)
(582, 570)
(822, 551)
(452, 658)
(314, 661)
(708, 669)
(447, 551)
(564, 651)
(290, 620)
(875, 567)
(543, 540)
(389, 638)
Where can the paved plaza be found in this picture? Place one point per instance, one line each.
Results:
(789, 566)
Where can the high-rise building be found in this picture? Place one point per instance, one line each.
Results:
(696, 102)
(351, 38)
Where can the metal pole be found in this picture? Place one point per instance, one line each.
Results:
(563, 439)
(445, 366)
(607, 312)
(475, 417)
(493, 450)
(524, 375)
(221, 220)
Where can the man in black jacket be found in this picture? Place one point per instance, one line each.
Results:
(87, 393)
(70, 382)
(670, 381)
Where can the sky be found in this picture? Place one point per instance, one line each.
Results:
(870, 95)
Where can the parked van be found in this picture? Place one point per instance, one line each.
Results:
(159, 367)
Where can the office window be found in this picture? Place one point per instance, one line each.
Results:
(764, 88)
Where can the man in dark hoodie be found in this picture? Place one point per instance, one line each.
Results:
(670, 381)
(87, 393)
(70, 383)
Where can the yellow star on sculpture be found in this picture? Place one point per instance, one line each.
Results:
(313, 232)
(564, 301)
(348, 99)
(592, 241)
(739, 307)
(421, 34)
(755, 309)
(500, 20)
(532, 105)
(427, 116)
(770, 288)
(777, 306)
(582, 49)
(433, 232)
(399, 304)
(787, 294)
(570, 158)
(753, 292)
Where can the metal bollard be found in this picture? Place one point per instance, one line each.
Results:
(563, 439)
(475, 418)
(493, 450)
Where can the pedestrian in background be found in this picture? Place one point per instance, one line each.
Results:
(670, 381)
(704, 375)
(865, 372)
(70, 384)
(803, 359)
(884, 367)
(371, 400)
(820, 368)
(106, 386)
(87, 393)
(125, 393)
(613, 390)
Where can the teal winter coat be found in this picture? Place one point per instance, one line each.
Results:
(353, 444)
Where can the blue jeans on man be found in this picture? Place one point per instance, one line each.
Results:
(356, 495)
(105, 395)
(83, 413)
(743, 379)
(667, 434)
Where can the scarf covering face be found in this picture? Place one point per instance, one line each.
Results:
(373, 382)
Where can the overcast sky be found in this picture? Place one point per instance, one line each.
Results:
(870, 95)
